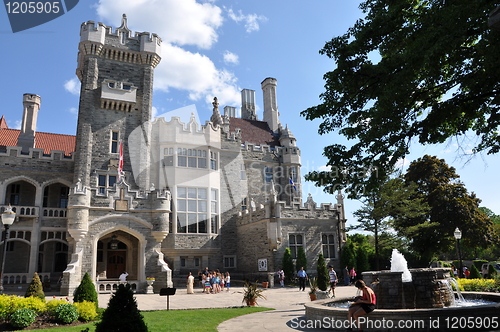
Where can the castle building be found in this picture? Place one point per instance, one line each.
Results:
(154, 197)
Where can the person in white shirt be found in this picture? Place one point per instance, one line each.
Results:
(123, 276)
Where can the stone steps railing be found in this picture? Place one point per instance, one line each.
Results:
(108, 286)
(23, 278)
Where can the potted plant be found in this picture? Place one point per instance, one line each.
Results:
(251, 293)
(313, 287)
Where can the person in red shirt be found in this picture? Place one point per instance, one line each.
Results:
(363, 304)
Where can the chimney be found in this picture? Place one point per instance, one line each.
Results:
(31, 105)
(271, 115)
(248, 104)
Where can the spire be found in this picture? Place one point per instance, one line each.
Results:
(3, 123)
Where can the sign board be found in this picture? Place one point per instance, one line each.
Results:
(167, 291)
(262, 264)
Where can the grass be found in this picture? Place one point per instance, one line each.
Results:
(178, 320)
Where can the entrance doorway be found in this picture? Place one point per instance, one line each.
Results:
(116, 263)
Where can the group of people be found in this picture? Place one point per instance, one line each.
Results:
(211, 282)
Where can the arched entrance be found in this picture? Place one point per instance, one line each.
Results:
(115, 254)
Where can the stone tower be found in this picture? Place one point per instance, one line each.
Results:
(116, 74)
(31, 106)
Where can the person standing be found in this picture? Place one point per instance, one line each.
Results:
(333, 279)
(347, 279)
(302, 279)
(281, 277)
(352, 275)
(190, 284)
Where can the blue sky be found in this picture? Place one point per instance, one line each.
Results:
(210, 48)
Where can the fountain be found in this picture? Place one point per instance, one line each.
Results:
(422, 298)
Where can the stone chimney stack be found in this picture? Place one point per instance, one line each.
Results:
(31, 105)
(271, 115)
(248, 104)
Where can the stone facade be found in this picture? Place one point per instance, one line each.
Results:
(155, 197)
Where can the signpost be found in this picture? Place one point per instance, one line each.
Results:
(167, 292)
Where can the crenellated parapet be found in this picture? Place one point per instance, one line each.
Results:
(37, 154)
(99, 40)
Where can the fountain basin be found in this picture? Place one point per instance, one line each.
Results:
(481, 317)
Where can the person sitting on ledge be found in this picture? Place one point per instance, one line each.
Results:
(363, 304)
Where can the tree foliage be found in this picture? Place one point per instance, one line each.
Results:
(287, 264)
(411, 70)
(323, 276)
(393, 199)
(122, 313)
(86, 291)
(301, 259)
(451, 206)
(35, 288)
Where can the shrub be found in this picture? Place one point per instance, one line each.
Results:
(22, 318)
(287, 264)
(86, 291)
(86, 310)
(301, 259)
(122, 313)
(478, 285)
(53, 304)
(323, 276)
(66, 313)
(6, 306)
(34, 303)
(474, 273)
(35, 289)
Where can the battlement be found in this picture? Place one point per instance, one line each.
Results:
(15, 152)
(100, 33)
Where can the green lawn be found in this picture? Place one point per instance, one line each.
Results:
(178, 320)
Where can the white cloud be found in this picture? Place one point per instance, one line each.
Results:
(179, 24)
(325, 168)
(402, 163)
(17, 124)
(73, 86)
(231, 58)
(251, 20)
(73, 110)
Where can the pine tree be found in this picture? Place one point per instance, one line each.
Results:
(122, 314)
(287, 264)
(323, 277)
(86, 291)
(35, 288)
(301, 259)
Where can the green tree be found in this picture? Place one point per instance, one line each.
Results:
(409, 71)
(287, 264)
(451, 206)
(393, 199)
(122, 313)
(86, 291)
(35, 288)
(348, 257)
(301, 260)
(323, 276)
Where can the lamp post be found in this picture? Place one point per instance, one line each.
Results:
(458, 236)
(8, 217)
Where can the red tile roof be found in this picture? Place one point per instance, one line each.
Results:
(256, 132)
(45, 141)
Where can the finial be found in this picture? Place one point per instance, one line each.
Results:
(124, 23)
(215, 103)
